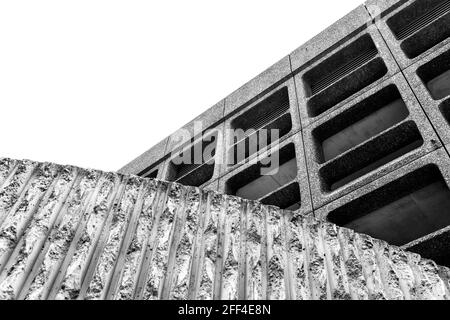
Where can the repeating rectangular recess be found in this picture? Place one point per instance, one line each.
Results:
(198, 169)
(213, 246)
(434, 246)
(430, 78)
(343, 74)
(273, 113)
(445, 109)
(421, 25)
(405, 209)
(378, 132)
(435, 75)
(366, 119)
(364, 138)
(149, 158)
(278, 188)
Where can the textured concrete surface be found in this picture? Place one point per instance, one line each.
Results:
(433, 107)
(148, 158)
(257, 86)
(377, 8)
(71, 233)
(218, 167)
(397, 46)
(414, 126)
(346, 144)
(293, 110)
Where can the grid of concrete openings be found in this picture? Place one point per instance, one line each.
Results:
(363, 113)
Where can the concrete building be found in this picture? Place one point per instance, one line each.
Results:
(362, 111)
(72, 233)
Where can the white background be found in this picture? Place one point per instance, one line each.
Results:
(96, 83)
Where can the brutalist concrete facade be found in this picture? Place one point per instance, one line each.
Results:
(364, 110)
(72, 233)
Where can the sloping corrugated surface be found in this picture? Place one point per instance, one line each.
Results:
(71, 233)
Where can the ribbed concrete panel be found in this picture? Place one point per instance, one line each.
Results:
(70, 233)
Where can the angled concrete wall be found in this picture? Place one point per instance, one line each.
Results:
(374, 89)
(71, 233)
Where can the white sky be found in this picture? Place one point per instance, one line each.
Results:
(96, 83)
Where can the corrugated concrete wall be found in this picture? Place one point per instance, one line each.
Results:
(71, 233)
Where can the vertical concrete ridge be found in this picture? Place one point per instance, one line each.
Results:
(70, 233)
(303, 143)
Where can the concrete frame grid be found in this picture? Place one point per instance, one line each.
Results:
(434, 243)
(369, 25)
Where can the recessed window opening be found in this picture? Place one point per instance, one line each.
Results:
(358, 124)
(402, 211)
(149, 172)
(435, 248)
(249, 137)
(445, 109)
(421, 26)
(342, 75)
(436, 76)
(197, 165)
(371, 155)
(278, 188)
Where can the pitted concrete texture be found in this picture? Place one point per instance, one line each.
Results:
(258, 85)
(405, 207)
(287, 87)
(353, 67)
(381, 145)
(343, 29)
(412, 29)
(71, 233)
(151, 156)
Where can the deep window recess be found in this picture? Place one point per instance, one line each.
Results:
(270, 114)
(421, 26)
(369, 156)
(402, 211)
(150, 173)
(445, 109)
(278, 188)
(360, 123)
(436, 76)
(342, 75)
(199, 165)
